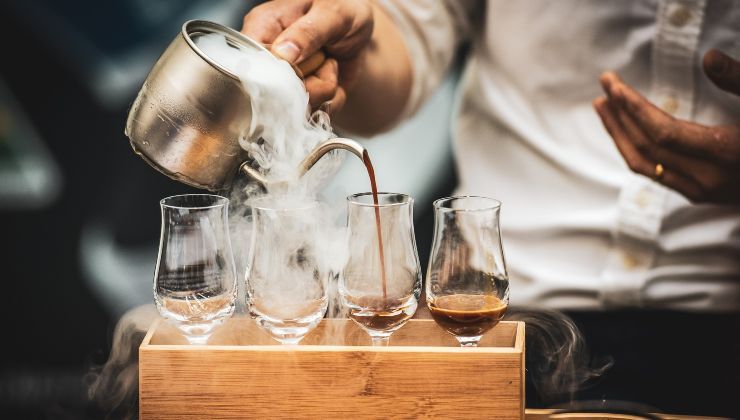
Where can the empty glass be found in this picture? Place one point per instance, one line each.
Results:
(381, 281)
(195, 278)
(467, 286)
(286, 281)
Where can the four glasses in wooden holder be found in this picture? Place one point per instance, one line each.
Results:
(333, 373)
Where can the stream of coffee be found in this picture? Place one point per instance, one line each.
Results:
(374, 188)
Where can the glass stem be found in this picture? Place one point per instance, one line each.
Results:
(469, 341)
(381, 341)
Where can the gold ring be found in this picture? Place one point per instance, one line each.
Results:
(659, 170)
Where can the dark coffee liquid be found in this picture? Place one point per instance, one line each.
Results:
(381, 321)
(467, 315)
(374, 188)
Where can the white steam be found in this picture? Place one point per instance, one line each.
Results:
(282, 133)
(114, 386)
(559, 362)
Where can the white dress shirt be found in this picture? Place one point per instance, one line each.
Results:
(581, 231)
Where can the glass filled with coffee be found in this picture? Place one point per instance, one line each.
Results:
(380, 284)
(467, 287)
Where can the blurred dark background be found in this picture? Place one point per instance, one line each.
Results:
(80, 219)
(78, 209)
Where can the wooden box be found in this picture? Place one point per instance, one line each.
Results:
(333, 373)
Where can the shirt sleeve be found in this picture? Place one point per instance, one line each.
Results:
(432, 29)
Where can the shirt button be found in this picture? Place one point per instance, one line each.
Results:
(670, 105)
(680, 16)
(643, 199)
(630, 261)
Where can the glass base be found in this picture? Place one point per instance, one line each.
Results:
(198, 340)
(196, 330)
(197, 333)
(289, 331)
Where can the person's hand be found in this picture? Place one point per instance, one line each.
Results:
(298, 28)
(701, 162)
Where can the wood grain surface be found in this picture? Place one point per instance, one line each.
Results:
(334, 373)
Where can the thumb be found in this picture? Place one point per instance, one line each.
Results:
(309, 33)
(723, 70)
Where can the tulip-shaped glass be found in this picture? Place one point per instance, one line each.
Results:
(195, 277)
(381, 281)
(286, 279)
(467, 287)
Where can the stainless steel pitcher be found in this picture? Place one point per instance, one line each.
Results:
(191, 111)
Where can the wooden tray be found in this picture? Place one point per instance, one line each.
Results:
(333, 373)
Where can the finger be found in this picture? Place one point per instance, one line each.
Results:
(661, 127)
(265, 22)
(636, 161)
(723, 70)
(336, 103)
(312, 63)
(261, 27)
(702, 175)
(322, 85)
(651, 118)
(311, 31)
(685, 165)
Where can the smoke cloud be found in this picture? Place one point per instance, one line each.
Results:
(282, 133)
(283, 130)
(559, 362)
(114, 386)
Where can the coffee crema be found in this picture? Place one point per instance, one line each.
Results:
(466, 315)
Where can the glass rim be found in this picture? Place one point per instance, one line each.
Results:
(438, 204)
(311, 203)
(219, 201)
(352, 199)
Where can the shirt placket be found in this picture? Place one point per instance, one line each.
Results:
(678, 27)
(641, 202)
(639, 218)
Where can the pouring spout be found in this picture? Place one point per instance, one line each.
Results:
(327, 146)
(310, 160)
